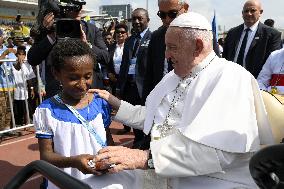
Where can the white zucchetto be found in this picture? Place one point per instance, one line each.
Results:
(191, 20)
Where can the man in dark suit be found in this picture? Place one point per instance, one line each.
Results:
(157, 65)
(40, 50)
(133, 64)
(251, 43)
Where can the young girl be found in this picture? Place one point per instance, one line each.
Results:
(72, 126)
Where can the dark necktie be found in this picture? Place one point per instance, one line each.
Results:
(136, 45)
(243, 48)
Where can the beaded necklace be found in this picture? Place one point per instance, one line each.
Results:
(165, 129)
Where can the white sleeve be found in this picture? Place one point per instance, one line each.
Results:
(178, 156)
(41, 124)
(264, 76)
(130, 115)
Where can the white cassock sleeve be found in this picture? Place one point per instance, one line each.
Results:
(178, 156)
(265, 74)
(132, 116)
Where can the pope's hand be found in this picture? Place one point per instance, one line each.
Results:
(122, 158)
(112, 100)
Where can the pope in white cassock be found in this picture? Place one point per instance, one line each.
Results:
(206, 119)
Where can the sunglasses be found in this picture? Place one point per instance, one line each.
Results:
(122, 32)
(171, 14)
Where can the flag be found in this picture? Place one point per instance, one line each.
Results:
(215, 35)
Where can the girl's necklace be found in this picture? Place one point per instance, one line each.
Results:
(88, 104)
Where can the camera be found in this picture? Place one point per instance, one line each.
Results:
(64, 27)
(68, 28)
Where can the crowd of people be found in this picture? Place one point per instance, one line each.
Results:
(198, 117)
(18, 77)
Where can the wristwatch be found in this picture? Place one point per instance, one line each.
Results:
(150, 161)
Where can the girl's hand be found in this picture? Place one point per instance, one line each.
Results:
(81, 163)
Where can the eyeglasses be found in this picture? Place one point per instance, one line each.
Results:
(118, 32)
(171, 14)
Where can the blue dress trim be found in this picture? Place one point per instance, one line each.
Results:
(45, 136)
(62, 113)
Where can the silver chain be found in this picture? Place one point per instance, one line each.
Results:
(165, 128)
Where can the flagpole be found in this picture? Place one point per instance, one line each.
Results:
(147, 5)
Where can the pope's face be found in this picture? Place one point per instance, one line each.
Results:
(180, 51)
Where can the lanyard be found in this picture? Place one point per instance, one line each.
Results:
(83, 121)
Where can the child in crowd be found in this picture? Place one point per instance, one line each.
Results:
(23, 73)
(72, 126)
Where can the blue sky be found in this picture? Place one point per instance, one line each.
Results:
(228, 12)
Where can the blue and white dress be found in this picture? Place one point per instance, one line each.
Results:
(55, 121)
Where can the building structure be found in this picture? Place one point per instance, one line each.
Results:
(9, 10)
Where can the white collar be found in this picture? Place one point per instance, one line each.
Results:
(143, 32)
(253, 27)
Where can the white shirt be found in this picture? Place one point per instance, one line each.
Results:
(21, 77)
(251, 35)
(273, 65)
(117, 57)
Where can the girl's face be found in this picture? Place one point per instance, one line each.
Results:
(76, 77)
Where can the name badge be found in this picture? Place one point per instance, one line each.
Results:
(131, 70)
(133, 60)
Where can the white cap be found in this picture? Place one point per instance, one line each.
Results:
(191, 20)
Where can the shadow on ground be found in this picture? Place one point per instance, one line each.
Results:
(33, 147)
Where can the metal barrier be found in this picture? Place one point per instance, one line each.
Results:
(14, 127)
(52, 173)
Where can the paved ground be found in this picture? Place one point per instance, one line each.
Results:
(16, 152)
